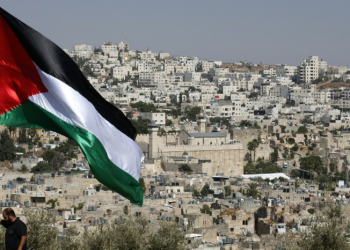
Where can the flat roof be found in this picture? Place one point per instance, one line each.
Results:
(207, 135)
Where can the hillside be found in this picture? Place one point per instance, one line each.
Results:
(244, 68)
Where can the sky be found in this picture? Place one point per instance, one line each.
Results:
(268, 31)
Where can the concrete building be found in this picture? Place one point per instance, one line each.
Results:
(308, 69)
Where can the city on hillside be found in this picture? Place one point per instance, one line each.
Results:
(237, 155)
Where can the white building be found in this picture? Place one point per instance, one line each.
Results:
(158, 118)
(284, 70)
(308, 69)
(109, 47)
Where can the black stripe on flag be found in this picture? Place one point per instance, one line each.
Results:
(54, 61)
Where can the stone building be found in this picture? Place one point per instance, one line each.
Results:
(226, 156)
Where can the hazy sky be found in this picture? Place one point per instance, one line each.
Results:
(267, 31)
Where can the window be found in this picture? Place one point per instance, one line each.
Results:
(245, 222)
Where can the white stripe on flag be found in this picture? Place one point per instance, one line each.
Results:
(68, 105)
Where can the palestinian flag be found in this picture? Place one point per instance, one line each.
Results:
(42, 87)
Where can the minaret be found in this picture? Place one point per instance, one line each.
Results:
(201, 122)
(153, 140)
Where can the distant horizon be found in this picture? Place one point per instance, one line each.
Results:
(269, 32)
(173, 55)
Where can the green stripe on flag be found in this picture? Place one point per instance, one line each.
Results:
(30, 115)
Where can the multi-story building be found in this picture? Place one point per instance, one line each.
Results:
(109, 47)
(308, 69)
(158, 118)
(284, 70)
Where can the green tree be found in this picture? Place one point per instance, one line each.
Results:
(142, 184)
(253, 95)
(306, 119)
(41, 234)
(41, 167)
(252, 146)
(256, 126)
(192, 113)
(294, 173)
(332, 166)
(69, 149)
(7, 146)
(295, 147)
(205, 190)
(168, 122)
(228, 190)
(141, 125)
(302, 130)
(168, 236)
(286, 152)
(143, 107)
(268, 167)
(206, 209)
(252, 190)
(53, 203)
(22, 136)
(185, 168)
(24, 168)
(49, 154)
(274, 155)
(57, 161)
(311, 162)
(245, 123)
(329, 233)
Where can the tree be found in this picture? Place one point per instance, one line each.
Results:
(127, 233)
(24, 168)
(274, 155)
(205, 190)
(191, 189)
(168, 236)
(7, 146)
(252, 190)
(53, 203)
(256, 126)
(252, 146)
(306, 119)
(294, 173)
(22, 136)
(168, 122)
(330, 232)
(41, 167)
(332, 166)
(311, 162)
(192, 113)
(142, 184)
(295, 147)
(228, 190)
(205, 209)
(143, 107)
(286, 152)
(41, 234)
(302, 130)
(32, 133)
(268, 167)
(49, 154)
(12, 131)
(253, 95)
(57, 161)
(69, 149)
(185, 168)
(245, 123)
(141, 125)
